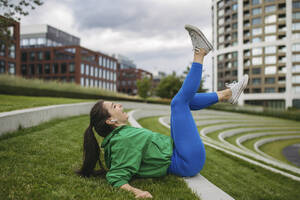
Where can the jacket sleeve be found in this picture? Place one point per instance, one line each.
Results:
(125, 163)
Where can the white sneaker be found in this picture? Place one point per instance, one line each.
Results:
(237, 88)
(198, 39)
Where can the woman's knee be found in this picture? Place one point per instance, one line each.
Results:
(176, 101)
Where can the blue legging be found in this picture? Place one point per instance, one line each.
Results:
(188, 152)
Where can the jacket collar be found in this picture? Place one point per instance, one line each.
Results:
(109, 136)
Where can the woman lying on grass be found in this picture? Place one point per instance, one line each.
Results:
(131, 151)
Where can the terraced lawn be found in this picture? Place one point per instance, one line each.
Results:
(238, 178)
(11, 102)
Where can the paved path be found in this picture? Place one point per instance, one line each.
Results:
(292, 154)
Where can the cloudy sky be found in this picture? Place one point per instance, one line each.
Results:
(150, 32)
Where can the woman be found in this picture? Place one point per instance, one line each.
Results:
(140, 152)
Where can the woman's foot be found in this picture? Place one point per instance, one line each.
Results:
(199, 41)
(237, 88)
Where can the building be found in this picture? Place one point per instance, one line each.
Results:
(41, 35)
(46, 54)
(70, 64)
(127, 79)
(10, 50)
(125, 63)
(260, 38)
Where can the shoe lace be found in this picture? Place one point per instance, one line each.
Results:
(230, 85)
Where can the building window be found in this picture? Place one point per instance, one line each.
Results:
(100, 73)
(296, 26)
(296, 15)
(40, 69)
(269, 80)
(270, 38)
(32, 56)
(41, 41)
(270, 70)
(96, 72)
(255, 2)
(256, 39)
(24, 42)
(296, 68)
(269, 90)
(47, 68)
(63, 68)
(296, 4)
(234, 7)
(2, 67)
(296, 79)
(2, 49)
(256, 51)
(296, 47)
(12, 51)
(220, 12)
(296, 57)
(271, 8)
(270, 49)
(32, 69)
(256, 81)
(92, 71)
(256, 21)
(256, 71)
(256, 11)
(256, 31)
(270, 19)
(270, 29)
(86, 82)
(87, 69)
(32, 41)
(24, 56)
(11, 68)
(55, 68)
(47, 55)
(221, 21)
(270, 59)
(71, 67)
(257, 60)
(82, 68)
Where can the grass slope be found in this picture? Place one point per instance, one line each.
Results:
(39, 163)
(241, 180)
(11, 102)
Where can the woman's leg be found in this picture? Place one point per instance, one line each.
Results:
(188, 153)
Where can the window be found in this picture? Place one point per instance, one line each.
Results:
(2, 49)
(96, 72)
(296, 57)
(82, 68)
(92, 71)
(269, 90)
(296, 15)
(220, 12)
(221, 21)
(32, 69)
(40, 69)
(270, 29)
(23, 56)
(24, 69)
(257, 60)
(87, 67)
(87, 82)
(270, 70)
(296, 79)
(271, 8)
(256, 71)
(255, 2)
(32, 41)
(296, 4)
(24, 42)
(2, 67)
(270, 49)
(296, 47)
(256, 51)
(47, 68)
(40, 55)
(12, 51)
(256, 31)
(270, 38)
(41, 41)
(55, 68)
(71, 67)
(270, 19)
(63, 68)
(47, 55)
(256, 11)
(220, 4)
(256, 81)
(221, 30)
(296, 26)
(234, 7)
(32, 56)
(256, 21)
(270, 59)
(11, 68)
(82, 81)
(256, 39)
(296, 68)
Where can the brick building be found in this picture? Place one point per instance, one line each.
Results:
(10, 50)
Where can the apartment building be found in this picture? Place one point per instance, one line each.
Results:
(260, 38)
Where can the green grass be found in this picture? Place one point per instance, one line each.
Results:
(11, 102)
(39, 163)
(241, 180)
(275, 148)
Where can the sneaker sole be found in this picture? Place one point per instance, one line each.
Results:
(245, 83)
(190, 27)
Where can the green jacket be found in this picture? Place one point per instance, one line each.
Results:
(131, 151)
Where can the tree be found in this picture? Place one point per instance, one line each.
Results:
(168, 86)
(144, 86)
(12, 11)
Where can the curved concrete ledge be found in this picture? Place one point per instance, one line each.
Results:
(268, 140)
(11, 121)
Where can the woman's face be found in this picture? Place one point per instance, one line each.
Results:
(117, 116)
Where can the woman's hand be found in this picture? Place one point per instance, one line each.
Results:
(137, 192)
(143, 194)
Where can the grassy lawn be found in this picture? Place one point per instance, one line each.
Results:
(11, 102)
(241, 180)
(275, 148)
(39, 163)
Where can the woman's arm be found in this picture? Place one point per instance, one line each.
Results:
(137, 192)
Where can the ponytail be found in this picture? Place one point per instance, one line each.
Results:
(91, 154)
